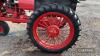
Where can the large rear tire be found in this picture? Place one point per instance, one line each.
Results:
(45, 29)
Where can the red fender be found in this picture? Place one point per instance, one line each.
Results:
(26, 4)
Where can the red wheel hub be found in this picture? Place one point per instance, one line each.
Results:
(1, 29)
(53, 31)
(48, 32)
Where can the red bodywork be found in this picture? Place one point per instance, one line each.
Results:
(26, 4)
(18, 12)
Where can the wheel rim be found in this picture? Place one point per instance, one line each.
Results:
(1, 29)
(47, 31)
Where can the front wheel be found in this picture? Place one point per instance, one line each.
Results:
(46, 31)
(4, 28)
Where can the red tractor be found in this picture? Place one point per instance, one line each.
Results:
(53, 25)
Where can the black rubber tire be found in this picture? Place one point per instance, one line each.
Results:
(54, 8)
(73, 6)
(5, 27)
(70, 3)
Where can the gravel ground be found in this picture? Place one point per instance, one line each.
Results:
(16, 43)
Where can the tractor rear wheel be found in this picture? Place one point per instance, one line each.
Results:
(4, 28)
(46, 31)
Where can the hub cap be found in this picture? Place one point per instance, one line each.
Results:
(52, 31)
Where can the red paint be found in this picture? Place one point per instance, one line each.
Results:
(53, 31)
(0, 3)
(26, 4)
(1, 29)
(15, 20)
(43, 42)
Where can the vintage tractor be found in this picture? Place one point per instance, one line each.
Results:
(53, 25)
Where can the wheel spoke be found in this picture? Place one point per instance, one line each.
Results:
(42, 25)
(47, 40)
